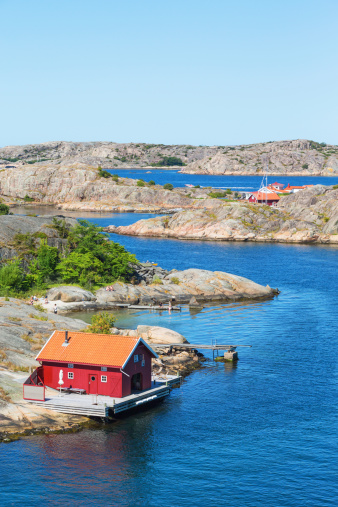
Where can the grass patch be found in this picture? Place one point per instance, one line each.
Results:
(157, 280)
(38, 317)
(175, 280)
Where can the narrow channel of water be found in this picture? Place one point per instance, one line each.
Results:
(262, 432)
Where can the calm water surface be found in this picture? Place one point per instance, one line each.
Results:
(162, 176)
(262, 432)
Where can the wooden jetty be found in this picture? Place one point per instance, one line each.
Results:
(103, 406)
(145, 307)
(229, 355)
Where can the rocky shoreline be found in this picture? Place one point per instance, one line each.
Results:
(309, 216)
(291, 157)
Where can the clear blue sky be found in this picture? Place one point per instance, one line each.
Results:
(173, 72)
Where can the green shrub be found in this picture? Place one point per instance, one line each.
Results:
(140, 183)
(175, 280)
(101, 323)
(216, 195)
(151, 182)
(170, 161)
(38, 317)
(4, 209)
(60, 226)
(11, 275)
(335, 187)
(39, 307)
(168, 186)
(157, 280)
(28, 199)
(305, 166)
(103, 173)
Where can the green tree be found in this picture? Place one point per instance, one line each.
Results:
(169, 161)
(47, 259)
(60, 226)
(101, 323)
(4, 209)
(151, 182)
(82, 268)
(114, 259)
(140, 183)
(11, 276)
(168, 186)
(103, 173)
(28, 199)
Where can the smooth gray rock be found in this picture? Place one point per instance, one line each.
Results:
(70, 294)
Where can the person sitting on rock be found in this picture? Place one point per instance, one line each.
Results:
(46, 300)
(55, 309)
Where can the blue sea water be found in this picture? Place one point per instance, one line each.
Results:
(261, 432)
(162, 176)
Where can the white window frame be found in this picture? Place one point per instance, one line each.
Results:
(71, 375)
(104, 379)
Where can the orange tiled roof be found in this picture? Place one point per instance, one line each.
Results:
(88, 348)
(262, 196)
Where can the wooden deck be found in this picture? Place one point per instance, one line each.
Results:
(102, 406)
(212, 346)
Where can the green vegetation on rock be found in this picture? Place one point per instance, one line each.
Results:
(87, 258)
(170, 161)
(4, 209)
(101, 323)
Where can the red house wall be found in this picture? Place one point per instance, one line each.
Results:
(118, 384)
(113, 386)
(132, 368)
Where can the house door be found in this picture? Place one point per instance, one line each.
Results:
(92, 388)
(136, 382)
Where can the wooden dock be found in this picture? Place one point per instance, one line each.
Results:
(102, 406)
(212, 346)
(128, 306)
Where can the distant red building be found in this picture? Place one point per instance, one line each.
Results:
(100, 364)
(277, 186)
(268, 198)
(294, 188)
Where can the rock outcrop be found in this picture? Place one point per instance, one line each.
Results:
(171, 359)
(69, 294)
(298, 157)
(292, 158)
(23, 331)
(180, 286)
(75, 187)
(37, 227)
(309, 216)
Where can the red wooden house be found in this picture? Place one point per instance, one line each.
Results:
(100, 364)
(268, 198)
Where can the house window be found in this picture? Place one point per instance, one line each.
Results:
(143, 362)
(70, 365)
(103, 378)
(103, 368)
(136, 358)
(70, 374)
